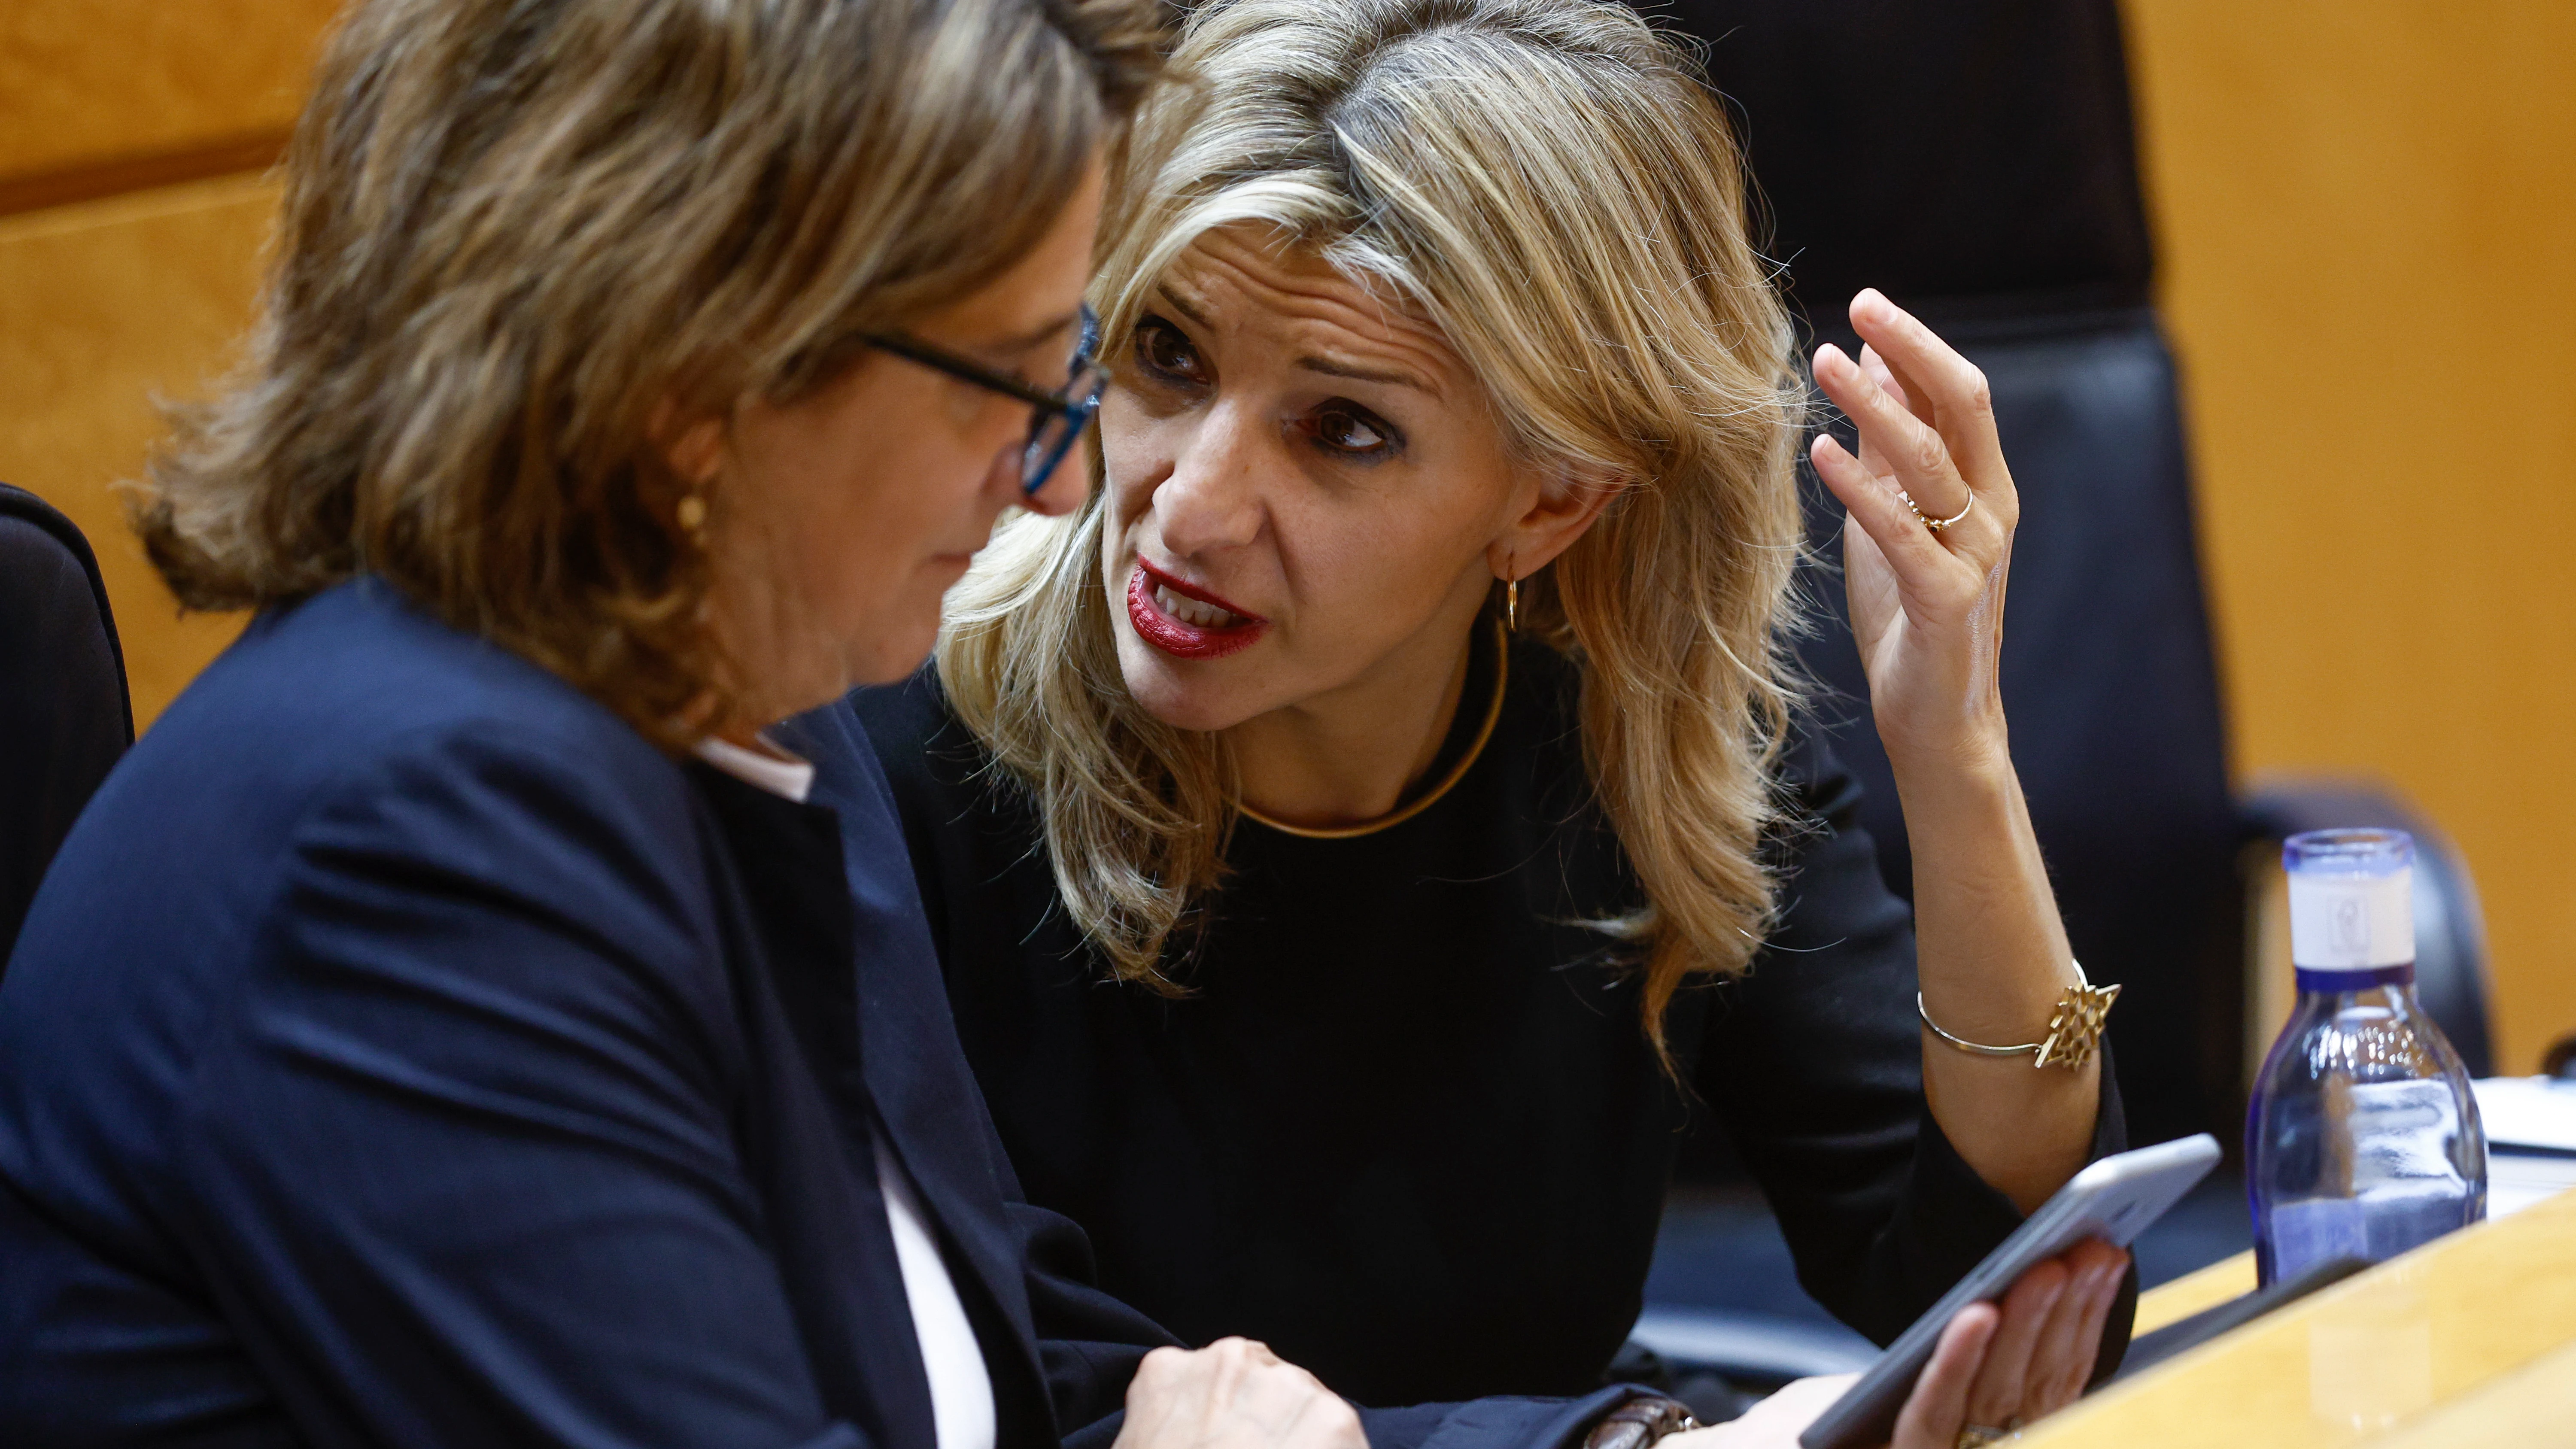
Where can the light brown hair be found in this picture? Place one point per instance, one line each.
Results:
(513, 229)
(1552, 185)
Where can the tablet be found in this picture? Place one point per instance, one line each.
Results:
(2149, 1349)
(2113, 1199)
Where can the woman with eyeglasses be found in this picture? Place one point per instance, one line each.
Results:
(1361, 834)
(459, 1021)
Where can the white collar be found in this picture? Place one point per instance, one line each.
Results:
(781, 773)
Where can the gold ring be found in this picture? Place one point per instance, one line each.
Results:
(1937, 524)
(1974, 1436)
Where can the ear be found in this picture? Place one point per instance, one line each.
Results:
(694, 450)
(1563, 506)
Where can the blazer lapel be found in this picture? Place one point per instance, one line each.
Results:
(806, 1129)
(926, 1099)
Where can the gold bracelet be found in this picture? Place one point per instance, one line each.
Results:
(2074, 1030)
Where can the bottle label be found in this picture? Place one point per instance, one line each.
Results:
(2352, 922)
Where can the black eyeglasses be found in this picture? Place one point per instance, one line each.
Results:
(1058, 417)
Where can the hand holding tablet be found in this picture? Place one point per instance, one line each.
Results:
(2100, 1211)
(1995, 1365)
(2013, 1341)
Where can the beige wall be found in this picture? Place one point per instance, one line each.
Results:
(104, 305)
(87, 85)
(132, 133)
(2370, 267)
(2367, 212)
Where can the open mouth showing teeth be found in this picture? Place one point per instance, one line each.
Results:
(1192, 612)
(1184, 627)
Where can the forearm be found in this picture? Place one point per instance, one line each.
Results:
(1994, 961)
(1926, 554)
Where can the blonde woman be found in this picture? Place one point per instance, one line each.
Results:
(445, 1028)
(1357, 833)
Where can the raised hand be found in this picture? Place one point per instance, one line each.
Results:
(1927, 607)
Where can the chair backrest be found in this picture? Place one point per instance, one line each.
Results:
(1976, 161)
(65, 716)
(1971, 150)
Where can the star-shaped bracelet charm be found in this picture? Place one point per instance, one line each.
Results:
(2075, 1031)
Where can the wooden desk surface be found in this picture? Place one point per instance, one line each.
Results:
(2467, 1341)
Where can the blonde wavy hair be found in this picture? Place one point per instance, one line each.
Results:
(1551, 184)
(514, 228)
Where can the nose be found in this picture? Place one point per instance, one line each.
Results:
(1212, 499)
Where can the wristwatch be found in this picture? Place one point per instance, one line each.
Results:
(1640, 1422)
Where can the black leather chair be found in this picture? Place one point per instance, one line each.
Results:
(65, 716)
(1975, 160)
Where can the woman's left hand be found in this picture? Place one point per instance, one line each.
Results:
(1998, 1367)
(1927, 607)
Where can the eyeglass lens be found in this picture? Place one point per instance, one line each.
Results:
(1053, 432)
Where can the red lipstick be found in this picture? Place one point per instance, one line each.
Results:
(1184, 638)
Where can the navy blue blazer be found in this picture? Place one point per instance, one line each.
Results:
(401, 1050)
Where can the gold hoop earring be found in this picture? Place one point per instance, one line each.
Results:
(692, 515)
(1511, 606)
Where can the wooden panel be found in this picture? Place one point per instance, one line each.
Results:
(107, 86)
(2368, 224)
(2360, 1358)
(103, 306)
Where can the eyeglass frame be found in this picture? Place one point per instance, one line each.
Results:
(1076, 405)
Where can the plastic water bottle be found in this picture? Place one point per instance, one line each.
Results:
(2362, 1139)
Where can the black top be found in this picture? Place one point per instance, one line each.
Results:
(1406, 1128)
(1969, 157)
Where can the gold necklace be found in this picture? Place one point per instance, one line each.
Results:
(1455, 773)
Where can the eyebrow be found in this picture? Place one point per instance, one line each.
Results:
(1330, 368)
(1313, 364)
(1173, 300)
